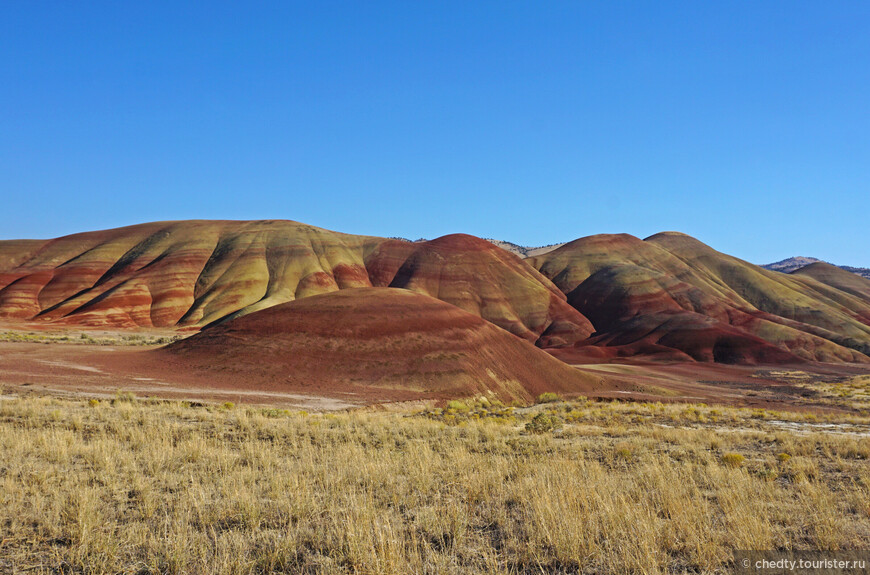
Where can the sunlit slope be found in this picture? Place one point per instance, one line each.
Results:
(788, 299)
(179, 273)
(841, 280)
(376, 341)
(193, 273)
(673, 295)
(474, 275)
(594, 298)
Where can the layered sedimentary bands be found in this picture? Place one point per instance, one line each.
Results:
(668, 297)
(177, 273)
(671, 295)
(482, 279)
(195, 273)
(377, 341)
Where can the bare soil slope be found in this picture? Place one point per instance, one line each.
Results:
(193, 273)
(376, 341)
(672, 296)
(594, 299)
(482, 279)
(839, 279)
(175, 273)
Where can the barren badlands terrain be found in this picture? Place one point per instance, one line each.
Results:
(271, 397)
(283, 311)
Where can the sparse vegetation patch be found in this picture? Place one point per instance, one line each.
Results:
(138, 485)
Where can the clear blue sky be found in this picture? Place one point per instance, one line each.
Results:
(745, 124)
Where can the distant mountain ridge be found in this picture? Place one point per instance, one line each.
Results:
(524, 251)
(790, 265)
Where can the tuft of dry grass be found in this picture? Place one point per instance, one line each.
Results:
(87, 338)
(140, 486)
(847, 391)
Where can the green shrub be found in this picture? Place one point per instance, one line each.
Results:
(548, 397)
(544, 422)
(125, 396)
(733, 460)
(457, 406)
(623, 451)
(766, 473)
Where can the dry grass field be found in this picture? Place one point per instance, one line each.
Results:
(150, 486)
(87, 338)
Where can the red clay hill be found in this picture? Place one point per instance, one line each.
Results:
(374, 342)
(672, 296)
(668, 297)
(175, 273)
(193, 273)
(484, 280)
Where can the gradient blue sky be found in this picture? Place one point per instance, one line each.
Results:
(745, 124)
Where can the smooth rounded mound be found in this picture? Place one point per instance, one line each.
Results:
(377, 342)
(672, 296)
(484, 280)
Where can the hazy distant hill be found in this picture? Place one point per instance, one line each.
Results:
(792, 264)
(524, 251)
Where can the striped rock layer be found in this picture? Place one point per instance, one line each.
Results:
(668, 297)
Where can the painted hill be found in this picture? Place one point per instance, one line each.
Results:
(193, 273)
(792, 264)
(482, 279)
(838, 278)
(593, 299)
(376, 341)
(176, 273)
(671, 295)
(863, 272)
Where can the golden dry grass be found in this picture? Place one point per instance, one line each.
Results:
(87, 338)
(139, 486)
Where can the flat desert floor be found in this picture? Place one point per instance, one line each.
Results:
(100, 370)
(115, 462)
(150, 486)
